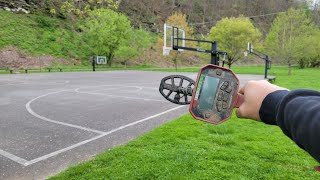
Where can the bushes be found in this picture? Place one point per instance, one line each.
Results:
(42, 35)
(44, 22)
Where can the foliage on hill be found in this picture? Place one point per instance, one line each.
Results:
(233, 35)
(105, 31)
(36, 34)
(293, 38)
(57, 28)
(202, 14)
(151, 14)
(43, 35)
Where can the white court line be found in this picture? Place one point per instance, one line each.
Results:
(62, 150)
(102, 134)
(142, 120)
(33, 83)
(115, 96)
(29, 109)
(15, 83)
(13, 157)
(117, 88)
(97, 137)
(114, 85)
(150, 88)
(26, 81)
(105, 89)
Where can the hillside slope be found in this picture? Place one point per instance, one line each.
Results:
(26, 39)
(40, 35)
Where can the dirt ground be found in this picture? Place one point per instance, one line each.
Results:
(13, 58)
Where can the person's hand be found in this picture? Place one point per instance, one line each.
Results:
(253, 93)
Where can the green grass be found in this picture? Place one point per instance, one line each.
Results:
(300, 78)
(188, 149)
(40, 35)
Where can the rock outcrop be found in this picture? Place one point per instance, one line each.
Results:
(13, 58)
(22, 6)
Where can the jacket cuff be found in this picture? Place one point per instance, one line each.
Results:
(269, 106)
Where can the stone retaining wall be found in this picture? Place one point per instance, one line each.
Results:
(22, 6)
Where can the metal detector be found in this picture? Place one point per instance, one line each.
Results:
(213, 95)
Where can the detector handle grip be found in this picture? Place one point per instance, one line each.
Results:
(239, 101)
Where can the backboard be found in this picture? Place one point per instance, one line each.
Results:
(173, 38)
(101, 60)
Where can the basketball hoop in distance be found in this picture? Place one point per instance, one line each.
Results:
(245, 54)
(172, 36)
(224, 57)
(166, 51)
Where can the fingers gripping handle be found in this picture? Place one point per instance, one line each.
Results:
(239, 100)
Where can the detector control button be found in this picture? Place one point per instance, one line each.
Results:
(229, 89)
(220, 95)
(219, 106)
(219, 72)
(224, 85)
(224, 105)
(226, 97)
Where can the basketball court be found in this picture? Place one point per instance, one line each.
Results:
(51, 121)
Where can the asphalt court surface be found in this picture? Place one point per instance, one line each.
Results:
(51, 121)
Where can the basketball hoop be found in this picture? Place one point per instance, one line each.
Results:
(224, 57)
(172, 36)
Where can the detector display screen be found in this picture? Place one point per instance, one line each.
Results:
(208, 91)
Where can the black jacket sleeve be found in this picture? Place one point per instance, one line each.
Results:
(297, 113)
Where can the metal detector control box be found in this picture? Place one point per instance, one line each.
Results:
(215, 94)
(212, 97)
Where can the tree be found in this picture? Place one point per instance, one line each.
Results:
(284, 38)
(180, 20)
(133, 46)
(78, 8)
(306, 48)
(232, 35)
(202, 14)
(105, 31)
(316, 13)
